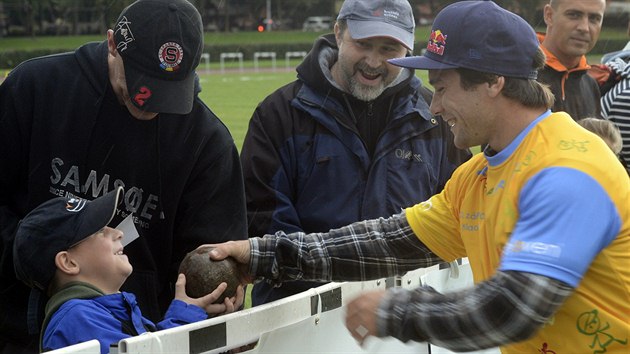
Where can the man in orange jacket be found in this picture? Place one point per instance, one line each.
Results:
(573, 28)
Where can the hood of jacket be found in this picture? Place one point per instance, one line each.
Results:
(92, 59)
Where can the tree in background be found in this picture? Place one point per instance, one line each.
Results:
(38, 17)
(55, 17)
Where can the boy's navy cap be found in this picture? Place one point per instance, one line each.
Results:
(379, 18)
(55, 226)
(478, 35)
(160, 42)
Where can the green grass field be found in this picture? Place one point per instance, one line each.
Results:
(234, 96)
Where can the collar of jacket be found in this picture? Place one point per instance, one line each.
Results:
(555, 64)
(72, 290)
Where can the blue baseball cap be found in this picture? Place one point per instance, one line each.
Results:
(55, 226)
(481, 36)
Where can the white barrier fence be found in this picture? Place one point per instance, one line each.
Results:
(238, 56)
(231, 55)
(265, 55)
(309, 322)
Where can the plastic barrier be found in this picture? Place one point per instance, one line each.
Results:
(309, 322)
(89, 347)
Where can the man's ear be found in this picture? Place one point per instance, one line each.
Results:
(338, 34)
(494, 89)
(111, 44)
(66, 264)
(548, 15)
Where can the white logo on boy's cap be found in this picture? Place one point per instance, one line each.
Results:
(75, 204)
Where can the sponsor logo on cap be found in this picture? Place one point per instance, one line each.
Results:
(437, 42)
(141, 97)
(385, 13)
(125, 32)
(391, 13)
(75, 205)
(171, 55)
(377, 13)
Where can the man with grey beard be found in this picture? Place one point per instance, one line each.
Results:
(351, 139)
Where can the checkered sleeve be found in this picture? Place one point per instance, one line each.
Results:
(507, 308)
(364, 250)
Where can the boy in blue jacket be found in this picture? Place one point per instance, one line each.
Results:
(65, 249)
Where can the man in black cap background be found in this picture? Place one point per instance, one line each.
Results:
(122, 112)
(351, 139)
(66, 249)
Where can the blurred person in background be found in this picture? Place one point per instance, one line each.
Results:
(573, 28)
(615, 98)
(608, 131)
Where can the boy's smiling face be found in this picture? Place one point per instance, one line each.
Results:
(101, 260)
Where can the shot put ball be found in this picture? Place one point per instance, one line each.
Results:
(203, 274)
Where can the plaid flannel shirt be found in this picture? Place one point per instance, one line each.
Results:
(509, 307)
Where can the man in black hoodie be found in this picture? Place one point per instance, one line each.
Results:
(122, 112)
(351, 139)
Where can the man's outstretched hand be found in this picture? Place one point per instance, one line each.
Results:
(239, 250)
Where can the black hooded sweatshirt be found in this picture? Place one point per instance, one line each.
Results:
(62, 132)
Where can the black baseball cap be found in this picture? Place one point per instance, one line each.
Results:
(478, 35)
(160, 42)
(55, 226)
(379, 18)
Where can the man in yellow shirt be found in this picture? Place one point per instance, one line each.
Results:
(543, 214)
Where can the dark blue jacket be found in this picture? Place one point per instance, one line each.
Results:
(108, 318)
(309, 166)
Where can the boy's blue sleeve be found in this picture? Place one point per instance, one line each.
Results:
(180, 313)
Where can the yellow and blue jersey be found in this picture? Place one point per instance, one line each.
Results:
(555, 202)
